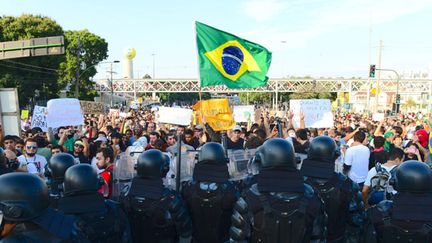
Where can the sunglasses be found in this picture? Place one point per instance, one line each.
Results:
(78, 145)
(31, 147)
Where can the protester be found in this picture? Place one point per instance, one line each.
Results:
(30, 161)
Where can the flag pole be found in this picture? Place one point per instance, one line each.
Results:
(198, 67)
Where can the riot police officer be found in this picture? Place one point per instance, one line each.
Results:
(100, 220)
(54, 172)
(155, 212)
(341, 196)
(210, 195)
(408, 217)
(279, 207)
(26, 216)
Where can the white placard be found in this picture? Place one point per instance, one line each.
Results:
(177, 116)
(64, 112)
(317, 112)
(243, 112)
(39, 118)
(378, 116)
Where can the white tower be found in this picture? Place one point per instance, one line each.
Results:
(128, 56)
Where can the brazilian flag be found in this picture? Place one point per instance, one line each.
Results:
(225, 59)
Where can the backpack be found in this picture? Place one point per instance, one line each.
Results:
(380, 184)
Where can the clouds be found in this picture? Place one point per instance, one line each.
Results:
(276, 18)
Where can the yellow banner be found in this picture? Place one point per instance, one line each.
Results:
(216, 112)
(24, 114)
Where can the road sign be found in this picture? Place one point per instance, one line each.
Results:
(33, 47)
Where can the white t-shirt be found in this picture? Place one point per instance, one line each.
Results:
(358, 158)
(35, 164)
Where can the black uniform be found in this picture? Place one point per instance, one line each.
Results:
(24, 201)
(279, 207)
(100, 220)
(54, 172)
(156, 213)
(408, 217)
(341, 196)
(210, 195)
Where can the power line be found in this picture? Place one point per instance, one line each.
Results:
(29, 65)
(26, 69)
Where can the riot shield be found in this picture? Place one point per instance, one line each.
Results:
(123, 173)
(188, 159)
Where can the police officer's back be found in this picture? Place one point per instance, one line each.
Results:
(341, 196)
(24, 203)
(156, 213)
(279, 207)
(55, 172)
(100, 220)
(210, 195)
(408, 217)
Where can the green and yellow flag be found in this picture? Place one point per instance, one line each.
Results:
(225, 59)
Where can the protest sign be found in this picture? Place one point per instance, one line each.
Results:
(244, 113)
(317, 112)
(378, 116)
(64, 112)
(39, 118)
(177, 116)
(217, 113)
(24, 114)
(91, 107)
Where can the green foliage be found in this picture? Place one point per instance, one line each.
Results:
(48, 74)
(261, 98)
(95, 50)
(20, 72)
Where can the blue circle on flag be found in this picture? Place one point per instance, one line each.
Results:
(232, 58)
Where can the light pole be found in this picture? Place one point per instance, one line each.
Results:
(397, 100)
(115, 61)
(111, 81)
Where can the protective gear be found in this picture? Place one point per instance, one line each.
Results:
(278, 217)
(380, 188)
(156, 213)
(210, 200)
(24, 201)
(58, 165)
(413, 176)
(323, 148)
(151, 164)
(212, 153)
(277, 152)
(81, 179)
(23, 196)
(404, 219)
(100, 220)
(210, 195)
(166, 166)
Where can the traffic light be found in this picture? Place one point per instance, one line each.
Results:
(372, 71)
(398, 98)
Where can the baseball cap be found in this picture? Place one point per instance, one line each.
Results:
(237, 128)
(199, 127)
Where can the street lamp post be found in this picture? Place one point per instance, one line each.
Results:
(112, 91)
(397, 100)
(111, 81)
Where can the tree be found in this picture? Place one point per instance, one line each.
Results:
(95, 49)
(259, 97)
(147, 76)
(31, 73)
(410, 103)
(189, 98)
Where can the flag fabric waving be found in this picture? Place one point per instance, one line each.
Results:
(225, 59)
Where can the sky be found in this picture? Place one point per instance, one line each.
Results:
(307, 37)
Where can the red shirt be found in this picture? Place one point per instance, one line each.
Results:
(107, 176)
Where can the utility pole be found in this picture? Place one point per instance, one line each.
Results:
(111, 84)
(369, 80)
(77, 50)
(379, 76)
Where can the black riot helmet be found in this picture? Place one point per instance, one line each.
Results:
(323, 148)
(81, 179)
(23, 196)
(212, 153)
(413, 176)
(277, 153)
(58, 165)
(151, 164)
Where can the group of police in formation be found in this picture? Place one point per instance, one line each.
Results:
(277, 204)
